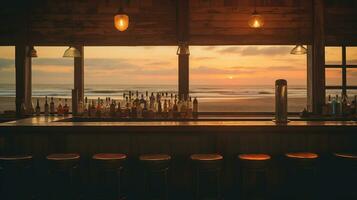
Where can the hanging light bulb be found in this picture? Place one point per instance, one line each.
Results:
(256, 20)
(33, 52)
(121, 21)
(298, 50)
(72, 52)
(183, 49)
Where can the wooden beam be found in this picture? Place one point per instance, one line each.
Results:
(183, 54)
(79, 77)
(316, 61)
(23, 77)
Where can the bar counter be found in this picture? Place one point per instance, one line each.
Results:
(221, 122)
(40, 136)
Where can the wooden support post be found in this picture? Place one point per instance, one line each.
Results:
(23, 77)
(316, 61)
(183, 52)
(183, 84)
(79, 77)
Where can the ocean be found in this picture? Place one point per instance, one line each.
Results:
(116, 91)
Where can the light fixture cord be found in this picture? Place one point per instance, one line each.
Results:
(299, 23)
(120, 6)
(255, 6)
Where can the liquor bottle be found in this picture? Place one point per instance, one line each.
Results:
(152, 102)
(112, 108)
(166, 109)
(23, 108)
(136, 101)
(32, 109)
(107, 110)
(52, 107)
(328, 105)
(102, 108)
(133, 111)
(98, 109)
(127, 110)
(80, 108)
(59, 107)
(189, 108)
(85, 112)
(142, 100)
(345, 105)
(338, 105)
(93, 109)
(195, 108)
(38, 109)
(183, 108)
(145, 113)
(147, 99)
(139, 110)
(129, 96)
(65, 107)
(118, 111)
(175, 110)
(355, 105)
(159, 108)
(170, 110)
(47, 108)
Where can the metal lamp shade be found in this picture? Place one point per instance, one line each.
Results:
(298, 50)
(72, 52)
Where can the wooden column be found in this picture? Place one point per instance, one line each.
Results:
(183, 39)
(316, 61)
(79, 75)
(183, 83)
(23, 77)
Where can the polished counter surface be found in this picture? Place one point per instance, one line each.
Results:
(57, 121)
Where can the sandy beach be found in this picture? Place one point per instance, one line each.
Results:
(263, 104)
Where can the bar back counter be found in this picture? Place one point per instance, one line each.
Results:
(41, 136)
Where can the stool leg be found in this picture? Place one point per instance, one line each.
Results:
(219, 184)
(166, 197)
(119, 182)
(197, 185)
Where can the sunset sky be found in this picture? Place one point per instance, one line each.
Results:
(209, 65)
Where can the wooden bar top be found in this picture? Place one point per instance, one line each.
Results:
(57, 121)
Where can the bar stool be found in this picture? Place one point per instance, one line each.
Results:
(253, 176)
(108, 175)
(345, 170)
(156, 167)
(301, 175)
(63, 174)
(15, 177)
(207, 169)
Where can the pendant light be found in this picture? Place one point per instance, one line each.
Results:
(299, 49)
(33, 52)
(183, 49)
(72, 52)
(256, 20)
(121, 19)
